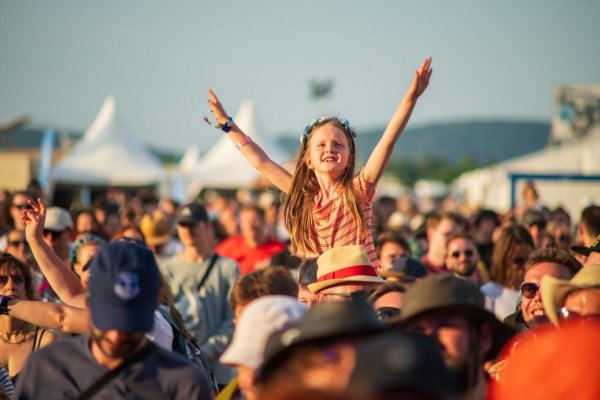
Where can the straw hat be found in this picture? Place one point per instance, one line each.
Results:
(156, 228)
(347, 264)
(554, 291)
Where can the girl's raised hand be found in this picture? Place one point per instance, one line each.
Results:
(34, 219)
(421, 79)
(216, 108)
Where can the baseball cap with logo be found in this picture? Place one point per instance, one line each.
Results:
(192, 214)
(58, 219)
(124, 284)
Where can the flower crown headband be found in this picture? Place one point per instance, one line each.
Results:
(323, 120)
(86, 239)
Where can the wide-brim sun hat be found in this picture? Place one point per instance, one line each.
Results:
(347, 264)
(554, 291)
(445, 293)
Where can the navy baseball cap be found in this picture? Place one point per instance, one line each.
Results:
(192, 214)
(124, 284)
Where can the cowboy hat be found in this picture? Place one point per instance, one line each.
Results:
(554, 291)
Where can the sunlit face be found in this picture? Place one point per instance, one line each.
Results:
(391, 251)
(462, 257)
(438, 236)
(19, 204)
(252, 226)
(84, 255)
(115, 344)
(12, 283)
(85, 223)
(306, 297)
(59, 241)
(17, 245)
(190, 235)
(532, 307)
(329, 151)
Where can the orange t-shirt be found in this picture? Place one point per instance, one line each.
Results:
(335, 226)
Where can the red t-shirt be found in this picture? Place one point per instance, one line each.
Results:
(249, 258)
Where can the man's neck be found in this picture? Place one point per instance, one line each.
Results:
(194, 254)
(436, 260)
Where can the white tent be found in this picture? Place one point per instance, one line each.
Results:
(491, 187)
(223, 166)
(108, 154)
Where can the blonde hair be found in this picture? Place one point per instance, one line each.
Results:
(298, 205)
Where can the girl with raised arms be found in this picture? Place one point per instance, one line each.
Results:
(326, 204)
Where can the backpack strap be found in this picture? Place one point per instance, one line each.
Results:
(141, 355)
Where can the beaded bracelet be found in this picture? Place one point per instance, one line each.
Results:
(243, 142)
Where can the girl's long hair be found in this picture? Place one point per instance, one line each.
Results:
(503, 271)
(299, 204)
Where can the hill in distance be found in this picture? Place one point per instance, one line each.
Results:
(485, 142)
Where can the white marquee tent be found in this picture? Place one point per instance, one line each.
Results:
(108, 155)
(491, 187)
(223, 166)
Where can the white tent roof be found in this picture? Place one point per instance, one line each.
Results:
(490, 187)
(223, 166)
(108, 154)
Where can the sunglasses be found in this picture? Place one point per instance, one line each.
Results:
(467, 253)
(17, 243)
(22, 206)
(54, 234)
(565, 315)
(361, 295)
(519, 261)
(387, 313)
(529, 289)
(87, 265)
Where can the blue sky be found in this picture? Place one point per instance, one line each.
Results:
(60, 59)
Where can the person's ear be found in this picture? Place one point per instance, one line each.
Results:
(321, 297)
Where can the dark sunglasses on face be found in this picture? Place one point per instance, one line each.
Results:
(387, 313)
(519, 261)
(17, 243)
(566, 315)
(529, 289)
(22, 206)
(87, 265)
(54, 234)
(361, 295)
(467, 253)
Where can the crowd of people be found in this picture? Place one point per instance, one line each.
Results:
(327, 292)
(234, 312)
